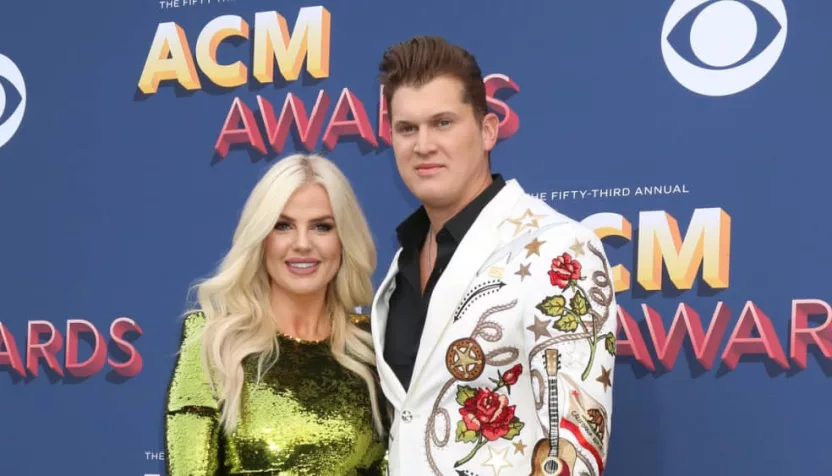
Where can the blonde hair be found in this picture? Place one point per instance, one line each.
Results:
(235, 301)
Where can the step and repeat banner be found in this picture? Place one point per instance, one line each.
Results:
(691, 135)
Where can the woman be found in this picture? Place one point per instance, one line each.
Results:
(274, 374)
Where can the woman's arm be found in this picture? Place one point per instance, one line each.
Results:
(192, 427)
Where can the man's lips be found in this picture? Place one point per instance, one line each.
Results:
(427, 169)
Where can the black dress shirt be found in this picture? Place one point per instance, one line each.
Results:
(408, 306)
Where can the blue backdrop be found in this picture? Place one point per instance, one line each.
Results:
(690, 134)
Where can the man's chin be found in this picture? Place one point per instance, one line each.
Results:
(436, 198)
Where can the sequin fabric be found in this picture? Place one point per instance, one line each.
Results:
(307, 416)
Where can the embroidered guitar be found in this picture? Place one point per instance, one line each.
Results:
(550, 455)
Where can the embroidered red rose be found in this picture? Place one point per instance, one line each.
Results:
(511, 375)
(563, 269)
(489, 413)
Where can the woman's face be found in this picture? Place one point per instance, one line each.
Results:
(303, 252)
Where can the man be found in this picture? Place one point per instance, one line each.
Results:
(495, 325)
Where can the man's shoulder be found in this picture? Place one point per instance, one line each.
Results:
(549, 221)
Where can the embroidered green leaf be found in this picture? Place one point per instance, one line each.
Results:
(567, 323)
(579, 304)
(465, 435)
(552, 306)
(463, 393)
(514, 428)
(609, 343)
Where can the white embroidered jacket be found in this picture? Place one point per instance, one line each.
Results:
(515, 365)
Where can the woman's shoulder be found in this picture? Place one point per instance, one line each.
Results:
(190, 333)
(194, 320)
(360, 320)
(189, 384)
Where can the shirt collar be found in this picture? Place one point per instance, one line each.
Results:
(411, 232)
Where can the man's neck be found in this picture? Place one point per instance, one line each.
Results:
(439, 216)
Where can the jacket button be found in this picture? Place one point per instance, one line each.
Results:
(406, 416)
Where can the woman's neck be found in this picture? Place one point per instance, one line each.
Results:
(300, 316)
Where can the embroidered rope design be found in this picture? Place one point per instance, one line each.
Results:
(538, 397)
(510, 353)
(494, 310)
(488, 331)
(431, 429)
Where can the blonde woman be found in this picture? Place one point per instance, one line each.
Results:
(275, 374)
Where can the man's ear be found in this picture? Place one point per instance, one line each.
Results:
(490, 130)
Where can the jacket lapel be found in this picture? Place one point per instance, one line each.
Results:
(479, 243)
(378, 320)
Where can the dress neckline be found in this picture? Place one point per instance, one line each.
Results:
(298, 340)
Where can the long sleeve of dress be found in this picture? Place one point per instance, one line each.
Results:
(192, 432)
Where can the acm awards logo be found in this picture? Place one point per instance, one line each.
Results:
(721, 38)
(9, 124)
(85, 350)
(662, 247)
(44, 343)
(277, 56)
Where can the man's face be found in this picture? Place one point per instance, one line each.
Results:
(440, 146)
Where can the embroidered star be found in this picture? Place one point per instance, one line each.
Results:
(604, 378)
(534, 247)
(497, 460)
(527, 220)
(523, 271)
(465, 359)
(577, 247)
(539, 328)
(575, 394)
(519, 447)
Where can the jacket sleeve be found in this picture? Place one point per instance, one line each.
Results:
(570, 334)
(191, 414)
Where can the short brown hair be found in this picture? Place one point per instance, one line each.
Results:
(421, 59)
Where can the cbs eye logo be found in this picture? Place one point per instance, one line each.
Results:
(721, 39)
(10, 122)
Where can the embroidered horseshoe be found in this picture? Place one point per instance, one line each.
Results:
(465, 359)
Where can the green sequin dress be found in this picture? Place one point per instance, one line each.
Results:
(307, 416)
